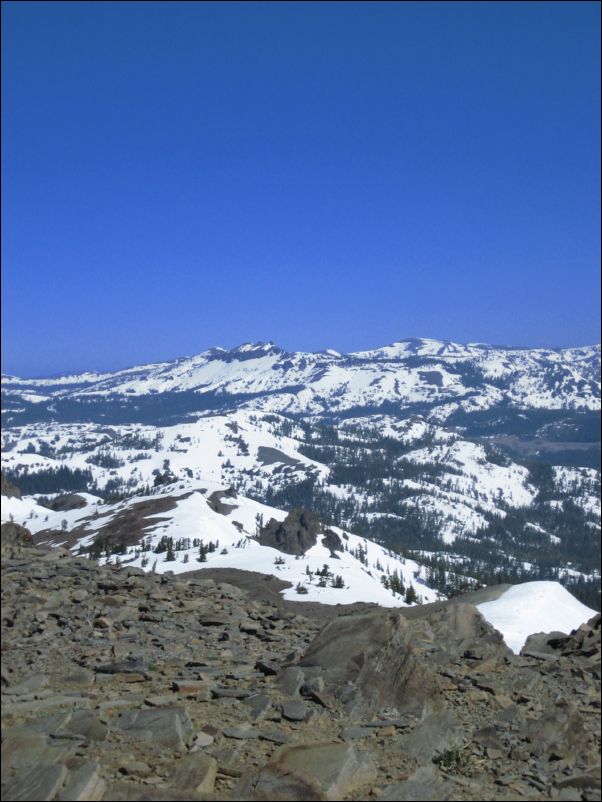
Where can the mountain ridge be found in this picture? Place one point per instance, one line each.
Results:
(443, 377)
(249, 346)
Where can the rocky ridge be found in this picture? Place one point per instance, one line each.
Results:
(118, 684)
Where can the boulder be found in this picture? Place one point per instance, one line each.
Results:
(195, 772)
(368, 663)
(40, 783)
(68, 501)
(12, 534)
(295, 535)
(434, 735)
(165, 726)
(309, 771)
(84, 784)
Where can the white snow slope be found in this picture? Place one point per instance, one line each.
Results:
(361, 564)
(534, 607)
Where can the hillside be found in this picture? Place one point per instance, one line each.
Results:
(123, 685)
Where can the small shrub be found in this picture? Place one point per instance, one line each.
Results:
(455, 761)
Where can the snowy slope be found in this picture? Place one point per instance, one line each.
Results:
(361, 564)
(216, 448)
(534, 607)
(458, 488)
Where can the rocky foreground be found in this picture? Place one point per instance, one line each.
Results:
(121, 685)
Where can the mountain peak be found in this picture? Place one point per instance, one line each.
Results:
(257, 347)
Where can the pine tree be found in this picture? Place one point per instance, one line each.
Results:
(170, 556)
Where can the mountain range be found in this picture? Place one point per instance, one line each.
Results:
(476, 463)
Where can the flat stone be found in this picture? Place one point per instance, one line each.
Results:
(242, 732)
(270, 783)
(39, 782)
(113, 704)
(336, 769)
(290, 680)
(202, 740)
(230, 693)
(296, 711)
(275, 737)
(40, 705)
(259, 705)
(78, 676)
(196, 772)
(488, 738)
(159, 701)
(23, 748)
(126, 792)
(166, 726)
(201, 691)
(85, 723)
(135, 768)
(127, 676)
(267, 667)
(32, 683)
(122, 667)
(386, 732)
(84, 784)
(350, 733)
(215, 620)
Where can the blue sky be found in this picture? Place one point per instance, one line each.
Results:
(181, 175)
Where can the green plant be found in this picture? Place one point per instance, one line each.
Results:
(456, 760)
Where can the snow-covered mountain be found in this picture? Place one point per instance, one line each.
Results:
(446, 377)
(476, 461)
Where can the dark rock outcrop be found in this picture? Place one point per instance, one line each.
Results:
(218, 501)
(12, 534)
(333, 542)
(295, 535)
(68, 501)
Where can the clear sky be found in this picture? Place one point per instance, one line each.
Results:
(182, 175)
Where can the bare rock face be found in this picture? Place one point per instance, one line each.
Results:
(333, 542)
(15, 535)
(451, 630)
(295, 535)
(368, 663)
(222, 501)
